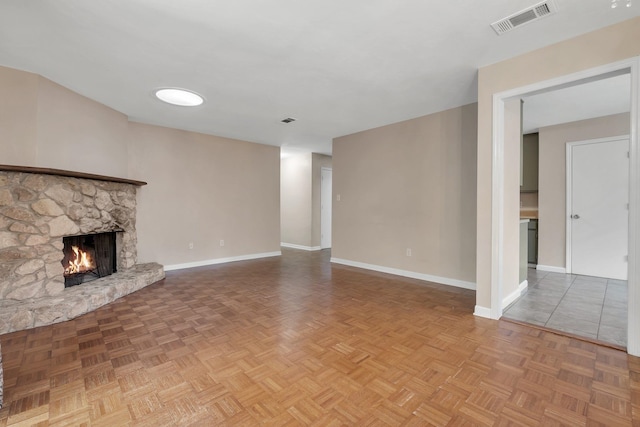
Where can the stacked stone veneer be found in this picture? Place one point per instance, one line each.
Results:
(36, 211)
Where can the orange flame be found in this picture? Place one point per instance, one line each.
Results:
(82, 262)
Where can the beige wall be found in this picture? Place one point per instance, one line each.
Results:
(590, 50)
(529, 200)
(18, 117)
(295, 202)
(552, 179)
(523, 251)
(512, 138)
(46, 125)
(409, 185)
(202, 188)
(76, 133)
(318, 161)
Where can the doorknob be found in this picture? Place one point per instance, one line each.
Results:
(576, 216)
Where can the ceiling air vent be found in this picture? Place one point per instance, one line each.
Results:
(525, 16)
(288, 120)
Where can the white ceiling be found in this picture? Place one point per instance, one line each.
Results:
(337, 66)
(585, 101)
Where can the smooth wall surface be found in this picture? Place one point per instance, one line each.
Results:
(590, 50)
(512, 145)
(409, 185)
(46, 125)
(203, 189)
(18, 117)
(552, 179)
(295, 204)
(76, 133)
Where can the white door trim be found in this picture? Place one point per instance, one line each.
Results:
(323, 225)
(569, 191)
(633, 323)
(631, 65)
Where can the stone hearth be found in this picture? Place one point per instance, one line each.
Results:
(36, 211)
(78, 300)
(38, 207)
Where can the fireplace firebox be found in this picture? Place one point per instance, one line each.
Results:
(88, 257)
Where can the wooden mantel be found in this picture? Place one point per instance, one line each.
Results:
(60, 172)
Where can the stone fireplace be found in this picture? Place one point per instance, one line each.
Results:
(44, 211)
(41, 212)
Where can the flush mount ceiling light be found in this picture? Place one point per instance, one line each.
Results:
(181, 97)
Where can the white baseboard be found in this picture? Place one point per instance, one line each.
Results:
(482, 312)
(515, 294)
(551, 269)
(220, 260)
(421, 276)
(301, 247)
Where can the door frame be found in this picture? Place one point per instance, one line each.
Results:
(323, 225)
(630, 65)
(569, 191)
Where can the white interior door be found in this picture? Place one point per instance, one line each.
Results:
(598, 207)
(325, 206)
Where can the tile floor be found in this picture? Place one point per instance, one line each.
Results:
(590, 307)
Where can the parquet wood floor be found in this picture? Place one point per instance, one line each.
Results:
(296, 341)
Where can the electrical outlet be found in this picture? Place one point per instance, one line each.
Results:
(408, 251)
(221, 242)
(338, 198)
(190, 245)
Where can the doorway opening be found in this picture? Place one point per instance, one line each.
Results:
(325, 207)
(505, 234)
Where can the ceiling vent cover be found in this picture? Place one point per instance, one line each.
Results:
(525, 16)
(288, 120)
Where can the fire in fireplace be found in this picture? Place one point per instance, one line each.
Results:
(88, 257)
